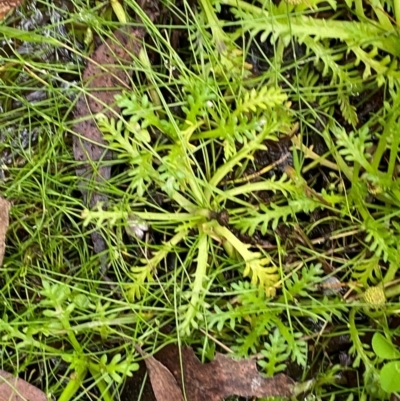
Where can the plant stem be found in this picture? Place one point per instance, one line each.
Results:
(241, 248)
(100, 383)
(200, 277)
(183, 202)
(94, 370)
(215, 25)
(396, 5)
(356, 340)
(392, 291)
(76, 380)
(119, 11)
(394, 153)
(227, 167)
(382, 16)
(245, 6)
(383, 140)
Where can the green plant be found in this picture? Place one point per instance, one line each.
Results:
(276, 353)
(171, 166)
(257, 164)
(389, 373)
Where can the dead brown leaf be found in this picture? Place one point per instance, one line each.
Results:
(221, 378)
(4, 221)
(8, 5)
(164, 384)
(15, 389)
(104, 78)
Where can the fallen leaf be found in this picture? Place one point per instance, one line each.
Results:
(164, 384)
(15, 389)
(103, 78)
(7, 5)
(214, 381)
(4, 221)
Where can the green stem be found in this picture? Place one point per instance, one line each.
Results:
(394, 153)
(166, 248)
(384, 20)
(215, 26)
(100, 383)
(245, 7)
(200, 277)
(309, 154)
(391, 271)
(70, 333)
(396, 4)
(215, 133)
(27, 339)
(360, 9)
(392, 291)
(356, 339)
(238, 245)
(383, 141)
(184, 203)
(229, 249)
(343, 167)
(254, 187)
(74, 384)
(149, 217)
(359, 202)
(356, 172)
(227, 167)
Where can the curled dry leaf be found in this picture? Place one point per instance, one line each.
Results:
(214, 381)
(15, 389)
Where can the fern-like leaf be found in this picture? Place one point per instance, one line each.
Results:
(220, 319)
(274, 214)
(379, 237)
(261, 324)
(349, 112)
(276, 354)
(301, 285)
(257, 265)
(353, 145)
(260, 99)
(262, 274)
(367, 271)
(145, 272)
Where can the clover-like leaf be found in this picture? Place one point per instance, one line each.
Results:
(384, 348)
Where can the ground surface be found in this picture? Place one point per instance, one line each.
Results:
(248, 180)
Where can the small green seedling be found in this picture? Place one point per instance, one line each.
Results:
(390, 371)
